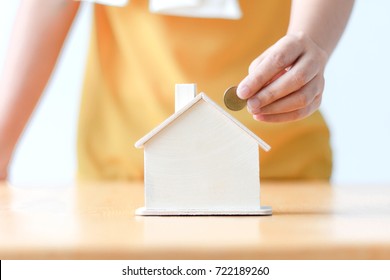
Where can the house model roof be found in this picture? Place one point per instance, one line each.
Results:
(201, 96)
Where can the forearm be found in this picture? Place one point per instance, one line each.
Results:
(322, 20)
(40, 30)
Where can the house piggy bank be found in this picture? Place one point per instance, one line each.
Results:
(201, 161)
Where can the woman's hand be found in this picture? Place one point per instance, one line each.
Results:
(3, 173)
(3, 176)
(4, 163)
(286, 82)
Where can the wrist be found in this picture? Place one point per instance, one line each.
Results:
(5, 159)
(3, 172)
(3, 176)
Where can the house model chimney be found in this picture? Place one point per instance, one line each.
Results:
(184, 93)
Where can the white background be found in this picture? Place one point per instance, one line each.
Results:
(356, 102)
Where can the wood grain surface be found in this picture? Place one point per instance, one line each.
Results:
(96, 221)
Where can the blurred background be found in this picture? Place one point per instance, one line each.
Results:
(356, 102)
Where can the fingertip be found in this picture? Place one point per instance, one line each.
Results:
(249, 110)
(258, 117)
(243, 91)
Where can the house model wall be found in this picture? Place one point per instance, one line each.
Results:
(201, 161)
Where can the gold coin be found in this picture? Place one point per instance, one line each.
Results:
(232, 101)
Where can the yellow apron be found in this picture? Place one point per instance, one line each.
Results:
(136, 58)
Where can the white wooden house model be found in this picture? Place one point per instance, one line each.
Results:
(201, 161)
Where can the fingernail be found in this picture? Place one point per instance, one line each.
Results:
(243, 91)
(254, 104)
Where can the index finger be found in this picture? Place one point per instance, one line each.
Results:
(281, 56)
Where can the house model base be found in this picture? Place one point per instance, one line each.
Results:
(262, 211)
(201, 162)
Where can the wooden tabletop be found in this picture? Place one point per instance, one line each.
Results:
(96, 221)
